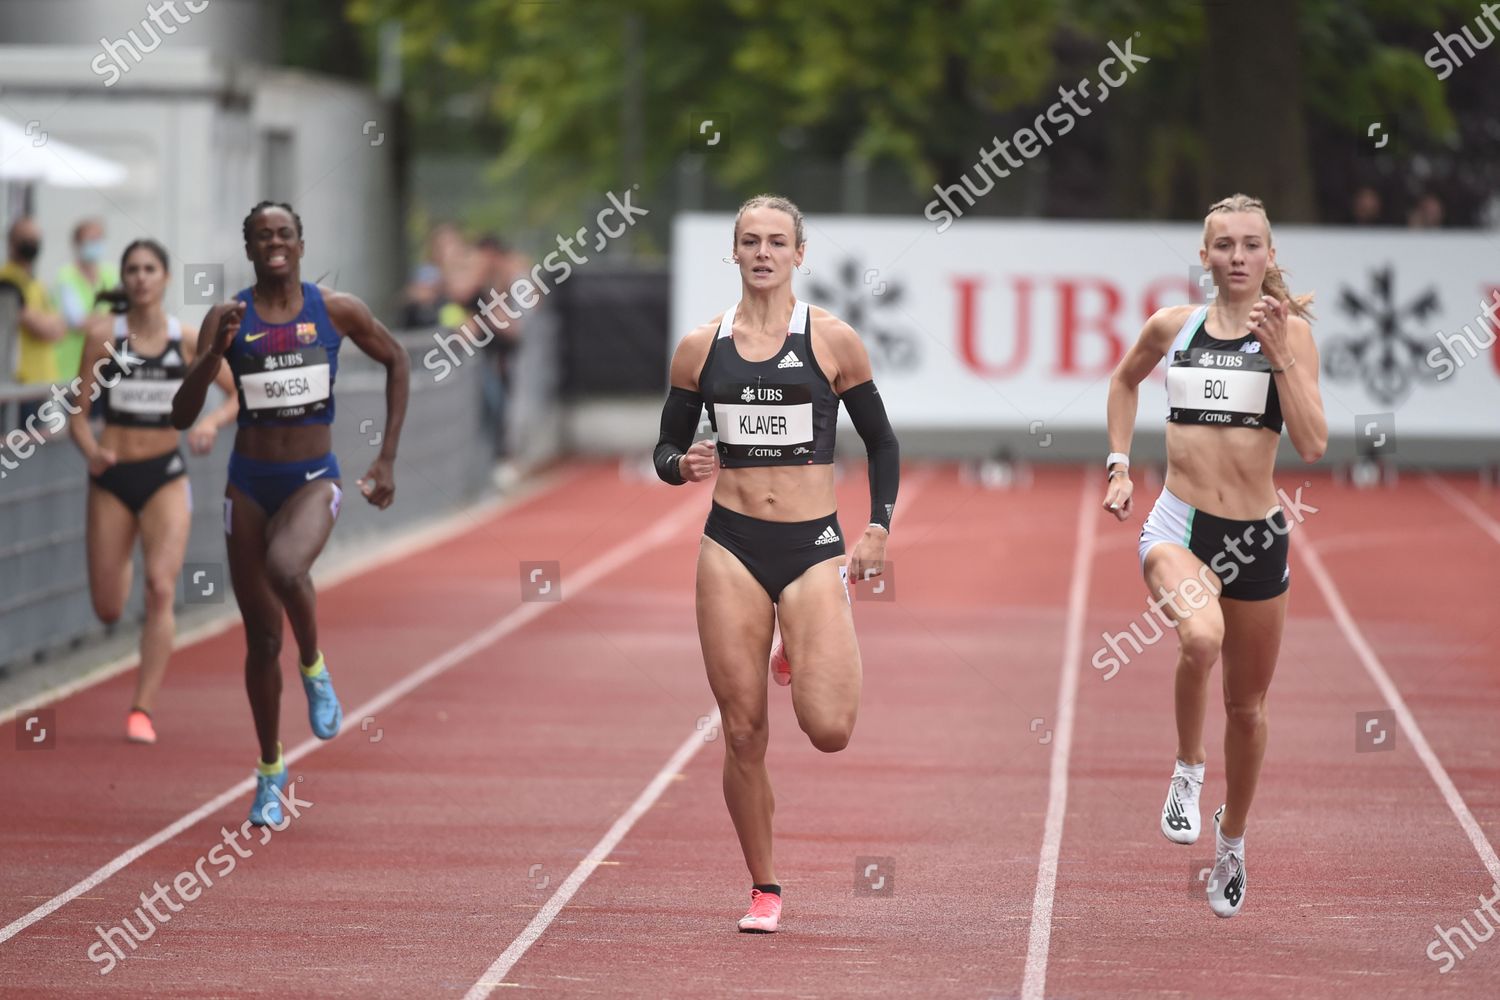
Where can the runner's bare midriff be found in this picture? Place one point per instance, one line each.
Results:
(136, 444)
(1222, 470)
(284, 444)
(778, 492)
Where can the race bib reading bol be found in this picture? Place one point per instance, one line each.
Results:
(1207, 381)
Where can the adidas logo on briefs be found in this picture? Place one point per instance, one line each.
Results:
(789, 361)
(175, 465)
(828, 537)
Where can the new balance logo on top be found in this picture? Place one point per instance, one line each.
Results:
(828, 537)
(790, 361)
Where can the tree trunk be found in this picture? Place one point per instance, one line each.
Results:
(1252, 107)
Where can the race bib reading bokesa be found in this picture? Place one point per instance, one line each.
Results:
(285, 384)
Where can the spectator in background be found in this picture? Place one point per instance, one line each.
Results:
(423, 299)
(459, 273)
(1427, 213)
(76, 290)
(458, 261)
(1365, 207)
(499, 265)
(39, 325)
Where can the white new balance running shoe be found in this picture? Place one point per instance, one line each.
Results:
(1226, 883)
(1180, 821)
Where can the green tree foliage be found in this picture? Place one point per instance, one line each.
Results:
(590, 95)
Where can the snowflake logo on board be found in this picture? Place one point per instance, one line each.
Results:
(1383, 355)
(874, 310)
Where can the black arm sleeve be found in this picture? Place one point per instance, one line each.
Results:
(868, 414)
(679, 422)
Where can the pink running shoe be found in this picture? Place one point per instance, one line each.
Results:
(138, 728)
(764, 915)
(781, 669)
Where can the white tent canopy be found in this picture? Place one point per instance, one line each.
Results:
(42, 159)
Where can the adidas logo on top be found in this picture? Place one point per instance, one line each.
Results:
(790, 361)
(828, 537)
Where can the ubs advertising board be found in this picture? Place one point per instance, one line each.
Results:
(999, 324)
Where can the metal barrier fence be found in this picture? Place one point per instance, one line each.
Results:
(444, 463)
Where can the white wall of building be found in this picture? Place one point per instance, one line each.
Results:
(193, 130)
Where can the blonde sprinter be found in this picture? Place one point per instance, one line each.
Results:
(1239, 369)
(772, 371)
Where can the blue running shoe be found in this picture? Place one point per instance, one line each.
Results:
(266, 809)
(323, 709)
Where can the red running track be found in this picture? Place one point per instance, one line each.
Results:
(445, 826)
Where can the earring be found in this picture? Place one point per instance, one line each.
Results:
(803, 269)
(730, 260)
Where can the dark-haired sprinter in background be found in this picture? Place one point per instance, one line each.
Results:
(137, 476)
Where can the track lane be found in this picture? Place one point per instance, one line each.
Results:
(945, 775)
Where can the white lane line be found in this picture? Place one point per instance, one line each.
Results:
(578, 581)
(375, 553)
(1392, 695)
(494, 975)
(1089, 512)
(1467, 507)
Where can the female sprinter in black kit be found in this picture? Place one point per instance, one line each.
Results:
(772, 371)
(1238, 369)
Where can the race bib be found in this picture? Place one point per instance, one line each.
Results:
(144, 397)
(1230, 382)
(286, 380)
(767, 421)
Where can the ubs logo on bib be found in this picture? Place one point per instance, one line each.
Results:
(760, 394)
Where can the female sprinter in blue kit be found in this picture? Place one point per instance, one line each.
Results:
(281, 338)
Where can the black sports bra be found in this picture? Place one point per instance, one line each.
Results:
(781, 411)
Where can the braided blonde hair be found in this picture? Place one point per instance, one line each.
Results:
(1274, 283)
(780, 204)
